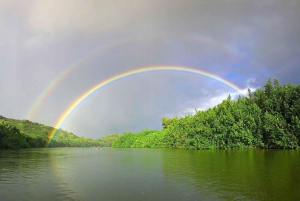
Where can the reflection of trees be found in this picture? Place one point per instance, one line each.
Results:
(237, 174)
(34, 174)
(25, 173)
(24, 161)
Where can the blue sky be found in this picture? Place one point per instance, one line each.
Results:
(245, 42)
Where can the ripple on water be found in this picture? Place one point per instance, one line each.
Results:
(149, 174)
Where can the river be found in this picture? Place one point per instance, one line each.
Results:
(149, 174)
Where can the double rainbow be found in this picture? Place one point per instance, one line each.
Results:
(101, 84)
(104, 48)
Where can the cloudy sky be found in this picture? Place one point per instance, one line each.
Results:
(62, 48)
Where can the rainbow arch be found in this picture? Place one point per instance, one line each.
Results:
(78, 63)
(109, 80)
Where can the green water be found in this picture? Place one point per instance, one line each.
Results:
(149, 174)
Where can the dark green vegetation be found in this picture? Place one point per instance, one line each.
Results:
(268, 118)
(24, 134)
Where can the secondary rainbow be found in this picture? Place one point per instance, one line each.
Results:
(101, 84)
(68, 70)
(52, 85)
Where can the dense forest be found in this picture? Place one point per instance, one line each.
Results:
(267, 118)
(26, 134)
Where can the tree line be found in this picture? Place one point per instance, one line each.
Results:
(26, 134)
(267, 118)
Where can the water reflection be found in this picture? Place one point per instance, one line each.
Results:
(34, 174)
(237, 174)
(60, 161)
(149, 174)
(22, 172)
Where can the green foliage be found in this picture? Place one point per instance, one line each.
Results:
(276, 132)
(280, 105)
(11, 137)
(267, 118)
(107, 140)
(144, 139)
(23, 133)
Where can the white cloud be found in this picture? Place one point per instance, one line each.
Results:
(40, 38)
(213, 101)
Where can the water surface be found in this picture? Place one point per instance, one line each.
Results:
(149, 174)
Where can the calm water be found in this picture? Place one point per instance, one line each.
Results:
(149, 174)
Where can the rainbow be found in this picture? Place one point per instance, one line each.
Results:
(101, 84)
(49, 88)
(67, 71)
